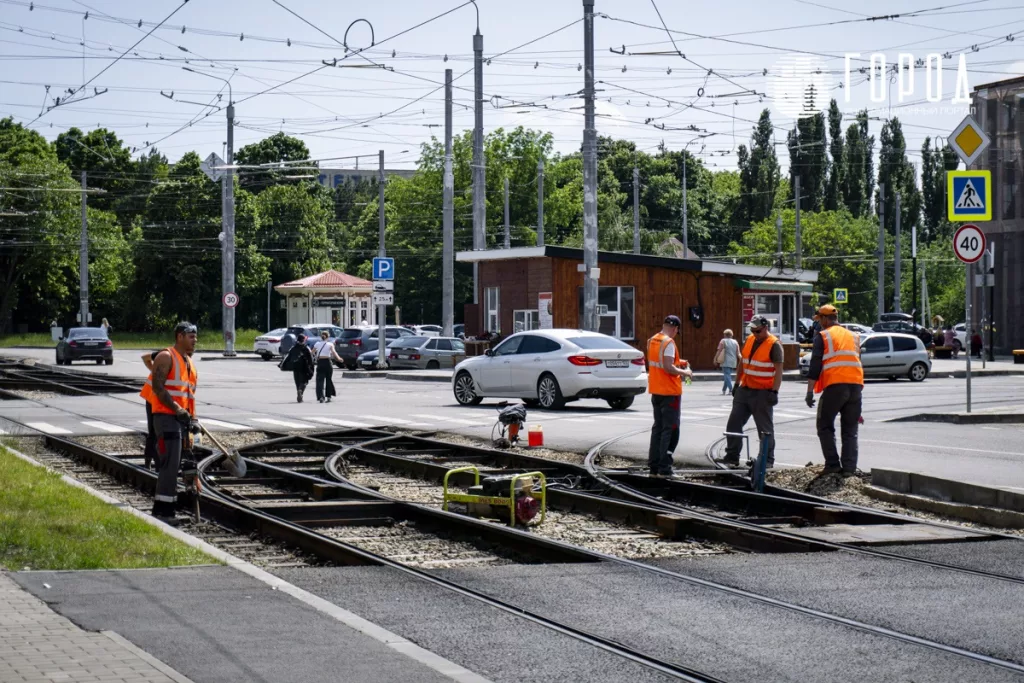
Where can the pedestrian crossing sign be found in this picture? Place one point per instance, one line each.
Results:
(840, 295)
(969, 195)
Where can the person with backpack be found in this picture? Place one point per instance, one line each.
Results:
(300, 361)
(324, 354)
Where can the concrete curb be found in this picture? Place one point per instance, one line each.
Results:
(394, 641)
(238, 357)
(963, 418)
(1007, 519)
(407, 377)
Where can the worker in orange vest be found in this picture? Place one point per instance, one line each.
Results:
(170, 392)
(836, 373)
(756, 391)
(665, 372)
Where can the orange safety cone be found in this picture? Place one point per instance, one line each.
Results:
(535, 436)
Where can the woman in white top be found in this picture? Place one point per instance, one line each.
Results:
(727, 357)
(324, 354)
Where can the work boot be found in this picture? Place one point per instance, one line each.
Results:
(832, 469)
(728, 462)
(169, 521)
(298, 396)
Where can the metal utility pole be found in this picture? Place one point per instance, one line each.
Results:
(881, 249)
(778, 236)
(897, 271)
(508, 234)
(913, 261)
(925, 307)
(540, 202)
(636, 210)
(686, 231)
(381, 308)
(990, 349)
(967, 327)
(479, 166)
(591, 273)
(797, 235)
(268, 306)
(448, 230)
(83, 261)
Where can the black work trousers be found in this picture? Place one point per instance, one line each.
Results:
(747, 403)
(843, 400)
(664, 433)
(169, 438)
(324, 381)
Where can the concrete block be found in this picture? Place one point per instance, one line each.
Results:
(896, 480)
(1006, 519)
(1010, 500)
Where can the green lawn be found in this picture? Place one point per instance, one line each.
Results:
(208, 339)
(47, 524)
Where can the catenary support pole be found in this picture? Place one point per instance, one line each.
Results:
(268, 306)
(540, 202)
(897, 271)
(913, 261)
(797, 234)
(448, 236)
(881, 249)
(636, 210)
(479, 165)
(381, 308)
(990, 348)
(590, 275)
(83, 259)
(507, 241)
(228, 228)
(686, 228)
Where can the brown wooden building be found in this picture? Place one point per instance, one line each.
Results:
(542, 287)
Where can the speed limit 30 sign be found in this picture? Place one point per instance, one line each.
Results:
(230, 299)
(969, 243)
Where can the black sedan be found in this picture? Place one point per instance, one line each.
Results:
(85, 343)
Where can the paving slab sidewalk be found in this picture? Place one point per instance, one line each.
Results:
(37, 644)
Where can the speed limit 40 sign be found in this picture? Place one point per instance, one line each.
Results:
(969, 243)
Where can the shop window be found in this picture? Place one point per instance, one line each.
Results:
(615, 310)
(492, 316)
(524, 321)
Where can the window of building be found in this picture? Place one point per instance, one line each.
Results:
(524, 321)
(615, 308)
(492, 314)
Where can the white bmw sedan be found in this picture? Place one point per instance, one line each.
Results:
(550, 367)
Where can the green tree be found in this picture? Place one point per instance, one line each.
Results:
(934, 164)
(294, 230)
(837, 168)
(759, 172)
(855, 196)
(897, 174)
(807, 158)
(272, 150)
(104, 158)
(867, 160)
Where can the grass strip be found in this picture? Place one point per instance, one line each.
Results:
(208, 339)
(47, 524)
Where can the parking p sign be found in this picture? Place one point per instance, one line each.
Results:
(383, 268)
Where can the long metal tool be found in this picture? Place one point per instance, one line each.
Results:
(233, 462)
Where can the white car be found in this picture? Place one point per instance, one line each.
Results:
(960, 341)
(427, 330)
(888, 354)
(269, 345)
(862, 330)
(550, 367)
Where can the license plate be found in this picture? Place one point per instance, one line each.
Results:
(617, 363)
(92, 343)
(401, 356)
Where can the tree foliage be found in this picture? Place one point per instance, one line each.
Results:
(759, 173)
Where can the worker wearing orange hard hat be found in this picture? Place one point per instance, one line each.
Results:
(836, 373)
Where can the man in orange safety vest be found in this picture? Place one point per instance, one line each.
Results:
(665, 372)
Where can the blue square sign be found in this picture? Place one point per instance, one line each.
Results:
(969, 194)
(383, 268)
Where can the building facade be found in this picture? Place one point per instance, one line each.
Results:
(999, 110)
(328, 298)
(333, 177)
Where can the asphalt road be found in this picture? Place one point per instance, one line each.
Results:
(252, 394)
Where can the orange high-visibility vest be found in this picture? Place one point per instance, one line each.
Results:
(180, 384)
(758, 368)
(840, 363)
(658, 381)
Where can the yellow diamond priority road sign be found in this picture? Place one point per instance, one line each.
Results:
(968, 140)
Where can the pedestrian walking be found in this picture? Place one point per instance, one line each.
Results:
(756, 392)
(836, 373)
(170, 392)
(105, 326)
(727, 357)
(665, 384)
(324, 353)
(300, 361)
(976, 343)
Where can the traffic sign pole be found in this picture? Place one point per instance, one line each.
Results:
(967, 329)
(969, 246)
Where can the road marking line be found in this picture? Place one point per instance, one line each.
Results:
(283, 423)
(223, 425)
(799, 416)
(914, 445)
(574, 419)
(47, 427)
(107, 427)
(380, 419)
(446, 419)
(624, 417)
(338, 423)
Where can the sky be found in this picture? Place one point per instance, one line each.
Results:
(722, 63)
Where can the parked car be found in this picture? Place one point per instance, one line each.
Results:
(425, 330)
(805, 330)
(425, 353)
(886, 354)
(459, 331)
(269, 345)
(352, 341)
(288, 340)
(552, 367)
(369, 359)
(960, 341)
(85, 343)
(862, 330)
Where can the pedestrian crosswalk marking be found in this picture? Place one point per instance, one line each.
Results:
(47, 427)
(283, 423)
(794, 415)
(446, 419)
(339, 423)
(209, 422)
(107, 427)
